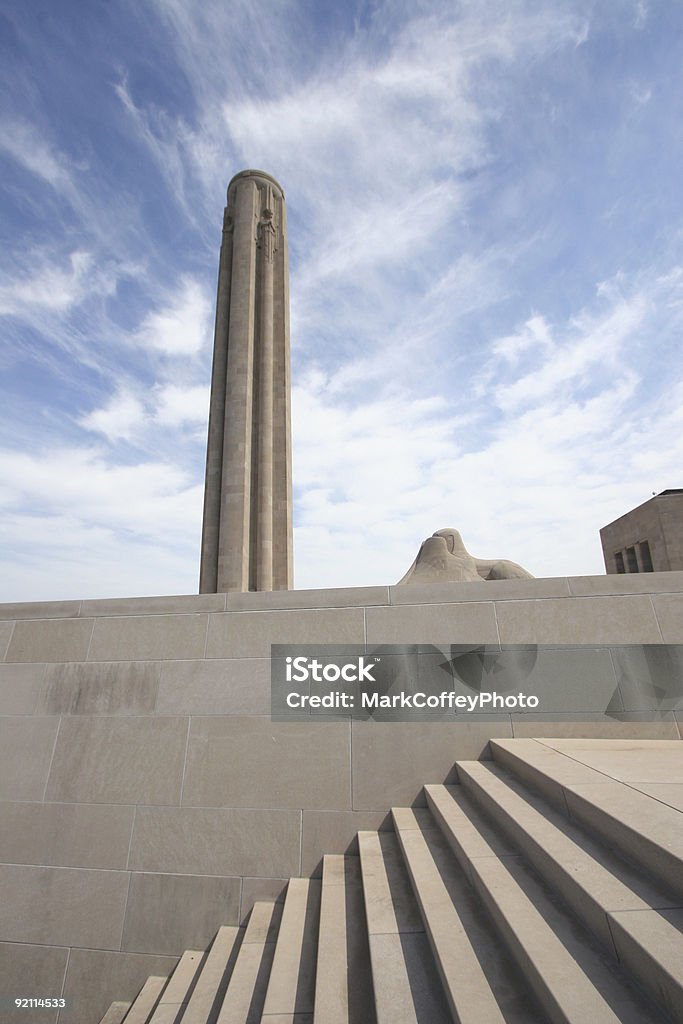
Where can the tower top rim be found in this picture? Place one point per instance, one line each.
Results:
(253, 173)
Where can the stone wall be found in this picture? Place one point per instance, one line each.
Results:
(146, 797)
(659, 522)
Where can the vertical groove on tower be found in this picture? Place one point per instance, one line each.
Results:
(247, 530)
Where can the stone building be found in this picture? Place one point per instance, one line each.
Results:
(647, 539)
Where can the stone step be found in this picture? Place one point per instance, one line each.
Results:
(343, 984)
(212, 982)
(246, 990)
(598, 886)
(642, 826)
(291, 987)
(573, 978)
(406, 983)
(143, 1005)
(178, 988)
(467, 987)
(115, 1014)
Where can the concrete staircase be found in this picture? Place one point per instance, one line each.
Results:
(540, 888)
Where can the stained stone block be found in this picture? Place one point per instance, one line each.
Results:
(49, 640)
(232, 687)
(106, 688)
(238, 841)
(148, 638)
(253, 762)
(96, 978)
(67, 835)
(172, 913)
(72, 906)
(250, 634)
(20, 687)
(119, 760)
(31, 969)
(26, 746)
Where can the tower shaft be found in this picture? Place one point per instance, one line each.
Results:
(247, 530)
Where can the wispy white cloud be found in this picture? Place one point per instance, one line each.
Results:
(22, 140)
(180, 327)
(119, 420)
(177, 405)
(50, 288)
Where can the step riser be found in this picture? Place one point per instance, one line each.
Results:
(645, 965)
(590, 912)
(455, 958)
(144, 1005)
(660, 864)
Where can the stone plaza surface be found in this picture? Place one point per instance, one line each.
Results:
(147, 797)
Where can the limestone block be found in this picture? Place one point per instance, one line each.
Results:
(253, 762)
(600, 620)
(669, 612)
(237, 686)
(154, 605)
(629, 583)
(340, 597)
(20, 687)
(49, 640)
(212, 841)
(102, 688)
(26, 746)
(31, 969)
(95, 978)
(255, 889)
(40, 609)
(433, 624)
(72, 906)
(250, 634)
(66, 835)
(119, 760)
(390, 757)
(148, 638)
(335, 832)
(481, 590)
(171, 913)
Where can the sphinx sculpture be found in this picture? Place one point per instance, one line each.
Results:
(443, 558)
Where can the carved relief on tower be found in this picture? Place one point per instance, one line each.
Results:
(268, 229)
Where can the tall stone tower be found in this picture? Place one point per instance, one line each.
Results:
(247, 530)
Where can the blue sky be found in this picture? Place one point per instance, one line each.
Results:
(485, 234)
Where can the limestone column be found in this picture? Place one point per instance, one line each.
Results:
(247, 530)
